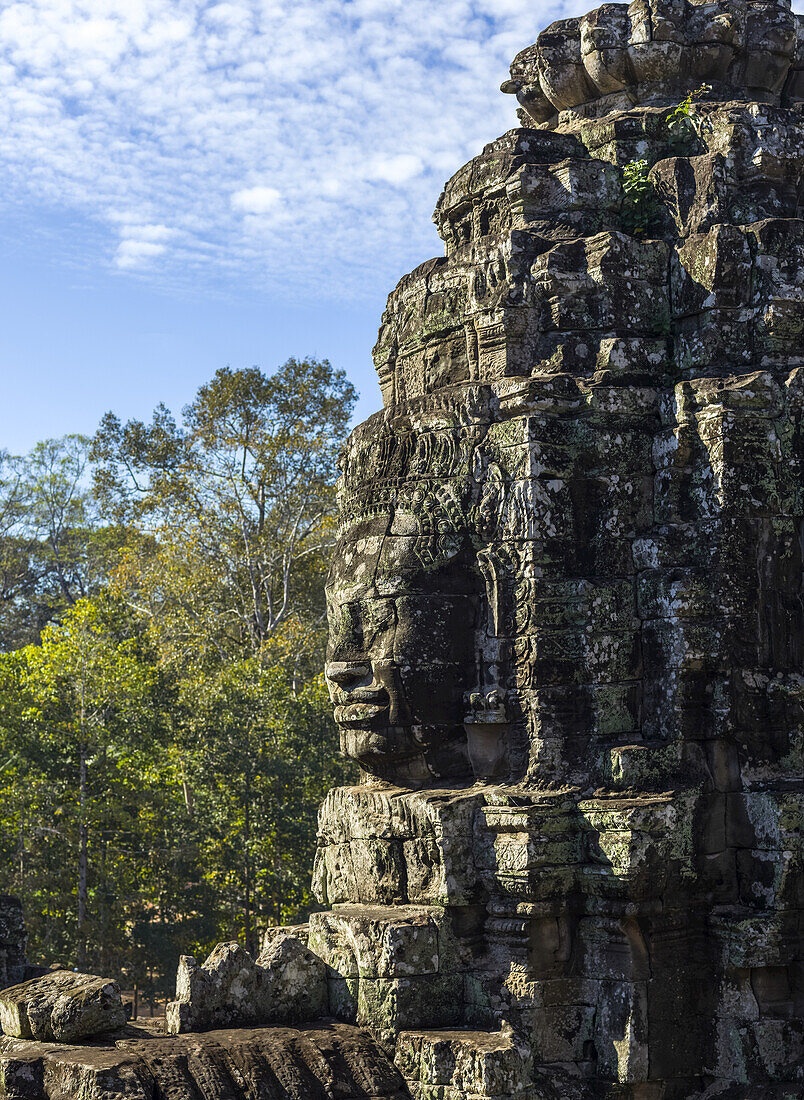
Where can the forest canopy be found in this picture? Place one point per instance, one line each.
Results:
(165, 733)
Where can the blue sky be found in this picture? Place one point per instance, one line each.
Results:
(188, 185)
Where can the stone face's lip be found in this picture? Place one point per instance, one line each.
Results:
(357, 715)
(361, 695)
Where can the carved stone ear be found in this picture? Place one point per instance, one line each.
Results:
(489, 565)
(486, 726)
(486, 719)
(490, 508)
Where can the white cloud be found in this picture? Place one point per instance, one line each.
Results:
(134, 253)
(398, 169)
(141, 243)
(296, 144)
(147, 232)
(256, 200)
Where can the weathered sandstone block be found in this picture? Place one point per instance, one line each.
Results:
(61, 1006)
(318, 1062)
(287, 982)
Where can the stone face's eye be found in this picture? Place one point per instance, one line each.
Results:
(345, 630)
(379, 617)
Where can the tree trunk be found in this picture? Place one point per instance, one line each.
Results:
(82, 860)
(247, 838)
(187, 791)
(22, 857)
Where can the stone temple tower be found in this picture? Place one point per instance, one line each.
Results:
(567, 641)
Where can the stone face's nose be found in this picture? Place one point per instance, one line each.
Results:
(346, 672)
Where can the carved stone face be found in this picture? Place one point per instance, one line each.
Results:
(400, 659)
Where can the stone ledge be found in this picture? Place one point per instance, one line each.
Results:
(319, 1061)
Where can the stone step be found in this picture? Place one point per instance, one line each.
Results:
(314, 1062)
(382, 941)
(463, 1063)
(390, 967)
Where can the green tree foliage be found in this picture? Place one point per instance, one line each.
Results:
(239, 500)
(165, 734)
(53, 549)
(80, 725)
(257, 759)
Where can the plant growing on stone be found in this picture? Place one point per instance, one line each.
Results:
(685, 120)
(641, 208)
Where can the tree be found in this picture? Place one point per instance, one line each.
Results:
(79, 717)
(239, 500)
(17, 576)
(165, 735)
(53, 550)
(60, 515)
